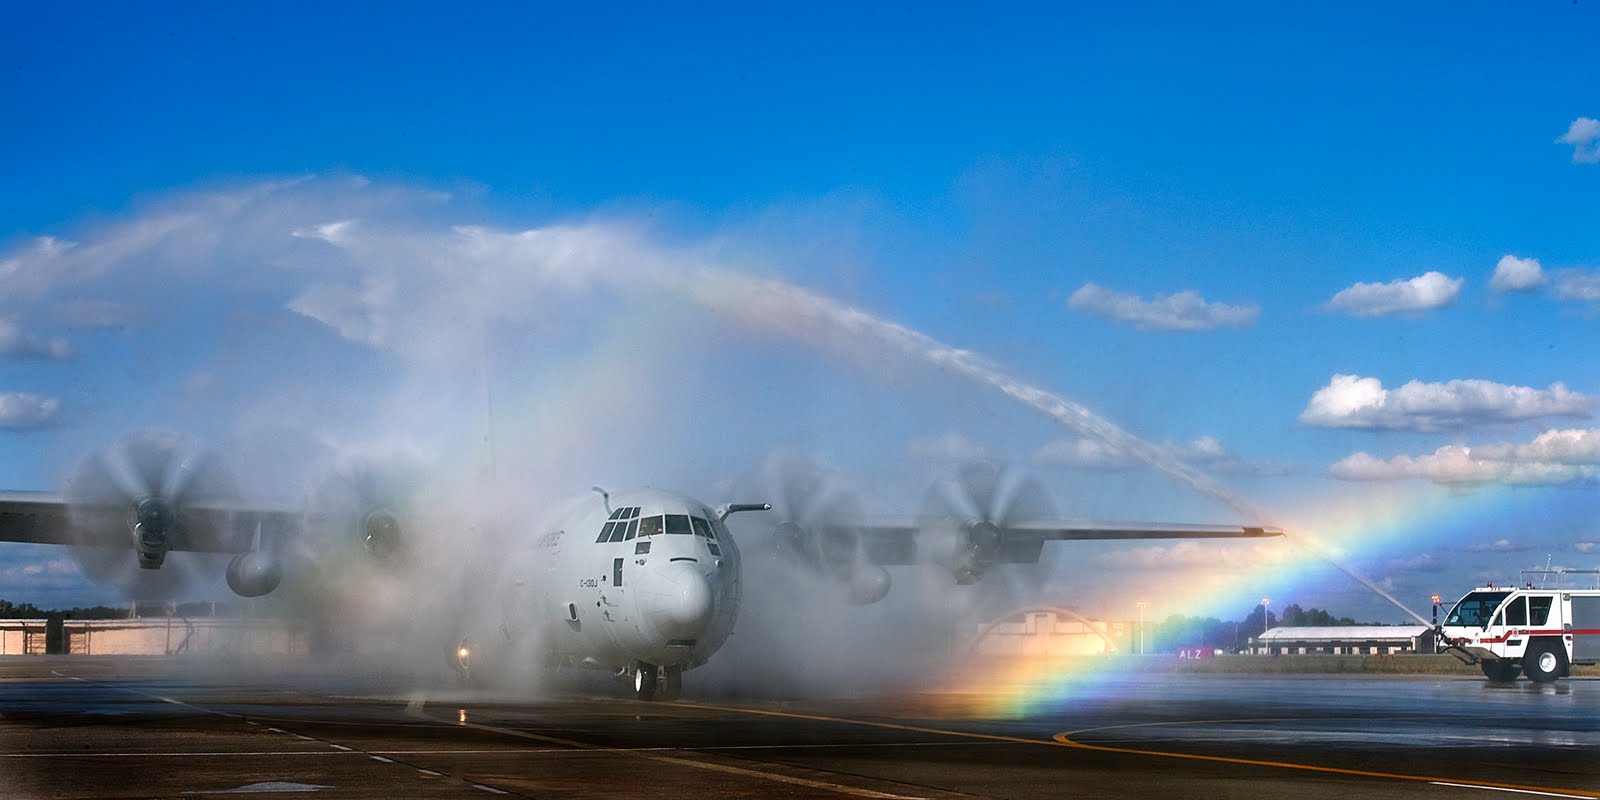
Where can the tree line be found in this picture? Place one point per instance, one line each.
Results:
(1179, 631)
(10, 610)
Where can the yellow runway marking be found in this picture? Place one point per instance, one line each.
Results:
(1065, 740)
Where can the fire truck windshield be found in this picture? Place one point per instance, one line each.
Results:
(1476, 609)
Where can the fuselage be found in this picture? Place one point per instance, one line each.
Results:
(643, 576)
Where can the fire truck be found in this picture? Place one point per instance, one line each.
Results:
(1540, 633)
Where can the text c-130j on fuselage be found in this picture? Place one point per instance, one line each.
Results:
(645, 583)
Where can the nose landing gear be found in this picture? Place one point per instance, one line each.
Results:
(644, 681)
(651, 682)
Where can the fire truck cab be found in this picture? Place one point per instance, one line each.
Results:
(1537, 632)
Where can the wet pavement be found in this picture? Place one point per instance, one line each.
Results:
(132, 728)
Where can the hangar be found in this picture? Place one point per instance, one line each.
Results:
(1345, 640)
(1047, 631)
(178, 635)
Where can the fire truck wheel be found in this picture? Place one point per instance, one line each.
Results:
(1501, 671)
(1544, 662)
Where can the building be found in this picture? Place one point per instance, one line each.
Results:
(156, 636)
(22, 637)
(1047, 632)
(1345, 640)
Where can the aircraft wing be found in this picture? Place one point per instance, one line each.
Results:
(37, 517)
(44, 518)
(894, 542)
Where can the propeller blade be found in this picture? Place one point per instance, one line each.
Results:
(154, 469)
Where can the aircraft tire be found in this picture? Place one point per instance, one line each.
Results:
(1544, 662)
(1502, 671)
(644, 681)
(672, 683)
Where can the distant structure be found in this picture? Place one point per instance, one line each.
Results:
(22, 637)
(158, 636)
(1347, 640)
(1047, 631)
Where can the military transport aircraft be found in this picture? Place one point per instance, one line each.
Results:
(643, 583)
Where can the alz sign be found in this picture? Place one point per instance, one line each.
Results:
(1189, 653)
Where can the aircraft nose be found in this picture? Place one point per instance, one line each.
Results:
(679, 596)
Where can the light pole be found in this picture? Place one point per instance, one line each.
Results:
(1141, 604)
(1265, 601)
(1435, 633)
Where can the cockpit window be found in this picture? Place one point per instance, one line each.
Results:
(616, 533)
(678, 523)
(633, 529)
(649, 526)
(701, 527)
(617, 514)
(605, 532)
(1475, 609)
(719, 531)
(632, 512)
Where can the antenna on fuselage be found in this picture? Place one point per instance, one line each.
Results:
(605, 497)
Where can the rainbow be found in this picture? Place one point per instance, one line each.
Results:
(1366, 522)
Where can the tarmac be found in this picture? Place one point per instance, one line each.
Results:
(91, 727)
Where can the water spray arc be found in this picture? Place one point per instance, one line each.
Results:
(771, 303)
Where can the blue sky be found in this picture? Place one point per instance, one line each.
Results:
(1193, 220)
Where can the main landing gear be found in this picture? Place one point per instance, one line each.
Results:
(651, 682)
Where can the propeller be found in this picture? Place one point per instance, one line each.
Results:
(813, 508)
(359, 507)
(964, 521)
(129, 510)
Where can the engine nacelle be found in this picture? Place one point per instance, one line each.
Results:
(868, 585)
(254, 574)
(380, 534)
(978, 545)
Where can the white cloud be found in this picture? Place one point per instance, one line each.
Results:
(949, 447)
(1579, 446)
(1580, 285)
(1553, 458)
(1184, 311)
(1584, 136)
(1501, 546)
(330, 232)
(16, 343)
(1428, 291)
(43, 572)
(23, 410)
(1351, 401)
(1515, 274)
(1208, 454)
(1422, 562)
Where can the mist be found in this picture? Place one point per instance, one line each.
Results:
(313, 330)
